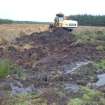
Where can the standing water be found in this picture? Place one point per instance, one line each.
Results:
(72, 67)
(101, 81)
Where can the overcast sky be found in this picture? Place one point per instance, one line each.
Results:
(45, 10)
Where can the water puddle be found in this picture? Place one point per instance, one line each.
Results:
(72, 67)
(19, 88)
(101, 81)
(69, 87)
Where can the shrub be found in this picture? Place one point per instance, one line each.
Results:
(9, 68)
(100, 48)
(101, 37)
(5, 67)
(100, 64)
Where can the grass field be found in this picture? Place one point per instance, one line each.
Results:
(9, 32)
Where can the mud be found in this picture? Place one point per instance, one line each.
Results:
(50, 49)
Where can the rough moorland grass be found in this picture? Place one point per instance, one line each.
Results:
(88, 97)
(90, 36)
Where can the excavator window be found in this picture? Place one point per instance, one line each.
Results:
(60, 15)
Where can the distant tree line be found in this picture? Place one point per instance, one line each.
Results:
(89, 20)
(5, 21)
(85, 20)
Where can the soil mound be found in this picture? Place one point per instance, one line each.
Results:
(58, 35)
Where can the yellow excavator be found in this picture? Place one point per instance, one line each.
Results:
(62, 21)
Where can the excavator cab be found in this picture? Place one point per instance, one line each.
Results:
(58, 19)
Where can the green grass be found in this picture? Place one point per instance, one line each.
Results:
(100, 65)
(88, 97)
(5, 67)
(8, 68)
